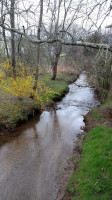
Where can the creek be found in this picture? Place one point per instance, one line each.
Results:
(31, 158)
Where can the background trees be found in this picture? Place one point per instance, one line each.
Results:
(36, 32)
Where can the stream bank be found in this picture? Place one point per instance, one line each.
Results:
(14, 112)
(84, 176)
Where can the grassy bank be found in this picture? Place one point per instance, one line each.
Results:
(14, 111)
(92, 178)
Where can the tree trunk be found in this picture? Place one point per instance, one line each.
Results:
(54, 71)
(5, 41)
(54, 66)
(12, 37)
(3, 30)
(38, 48)
(55, 61)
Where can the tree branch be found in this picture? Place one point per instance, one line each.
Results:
(73, 43)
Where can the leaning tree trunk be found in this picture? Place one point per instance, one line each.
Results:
(12, 20)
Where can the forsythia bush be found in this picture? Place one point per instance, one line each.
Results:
(2, 74)
(22, 85)
(21, 69)
(7, 67)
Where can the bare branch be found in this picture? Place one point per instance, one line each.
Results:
(50, 41)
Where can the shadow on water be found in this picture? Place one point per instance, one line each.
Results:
(31, 158)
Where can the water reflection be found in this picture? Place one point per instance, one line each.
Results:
(32, 157)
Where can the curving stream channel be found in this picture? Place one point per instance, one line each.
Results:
(31, 158)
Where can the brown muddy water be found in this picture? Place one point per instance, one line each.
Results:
(31, 158)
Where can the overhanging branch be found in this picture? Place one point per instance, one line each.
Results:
(50, 41)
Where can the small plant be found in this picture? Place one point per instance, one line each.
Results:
(71, 190)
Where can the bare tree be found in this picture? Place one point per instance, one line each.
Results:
(60, 26)
(3, 30)
(38, 48)
(12, 21)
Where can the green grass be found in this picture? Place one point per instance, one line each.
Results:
(93, 179)
(96, 115)
(58, 87)
(108, 102)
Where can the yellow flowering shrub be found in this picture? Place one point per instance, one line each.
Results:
(22, 85)
(21, 69)
(42, 93)
(2, 74)
(7, 67)
(19, 87)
